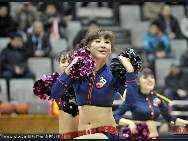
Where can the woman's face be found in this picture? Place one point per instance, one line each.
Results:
(100, 48)
(147, 82)
(63, 64)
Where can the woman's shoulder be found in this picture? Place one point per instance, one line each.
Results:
(161, 97)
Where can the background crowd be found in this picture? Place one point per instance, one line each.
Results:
(31, 33)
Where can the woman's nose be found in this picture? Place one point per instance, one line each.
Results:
(103, 45)
(150, 80)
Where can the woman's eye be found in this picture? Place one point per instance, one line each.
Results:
(152, 77)
(107, 42)
(62, 60)
(145, 77)
(97, 41)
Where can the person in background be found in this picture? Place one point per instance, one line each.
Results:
(54, 23)
(38, 43)
(65, 9)
(156, 44)
(168, 23)
(151, 10)
(176, 83)
(7, 24)
(146, 105)
(26, 14)
(13, 64)
(13, 59)
(91, 26)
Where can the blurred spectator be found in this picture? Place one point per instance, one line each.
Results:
(6, 4)
(7, 24)
(176, 83)
(91, 26)
(184, 59)
(156, 44)
(54, 24)
(26, 14)
(13, 59)
(38, 43)
(65, 9)
(151, 10)
(168, 23)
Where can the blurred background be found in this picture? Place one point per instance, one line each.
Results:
(32, 33)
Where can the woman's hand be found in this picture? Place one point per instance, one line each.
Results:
(132, 127)
(75, 60)
(181, 93)
(128, 122)
(181, 122)
(126, 63)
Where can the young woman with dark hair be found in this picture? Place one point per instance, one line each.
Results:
(94, 94)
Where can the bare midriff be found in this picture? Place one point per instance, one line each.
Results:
(94, 116)
(67, 123)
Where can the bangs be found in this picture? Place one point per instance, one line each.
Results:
(98, 34)
(108, 35)
(146, 72)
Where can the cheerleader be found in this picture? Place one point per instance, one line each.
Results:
(95, 92)
(146, 104)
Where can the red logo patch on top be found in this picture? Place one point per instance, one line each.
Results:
(101, 83)
(156, 101)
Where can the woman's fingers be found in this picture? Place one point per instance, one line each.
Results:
(126, 63)
(74, 61)
(123, 58)
(132, 126)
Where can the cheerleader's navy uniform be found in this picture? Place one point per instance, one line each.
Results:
(99, 90)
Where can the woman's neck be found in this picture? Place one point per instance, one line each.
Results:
(99, 64)
(145, 91)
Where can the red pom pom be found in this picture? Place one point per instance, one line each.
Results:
(85, 66)
(42, 87)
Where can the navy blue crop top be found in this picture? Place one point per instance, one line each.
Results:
(143, 107)
(99, 92)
